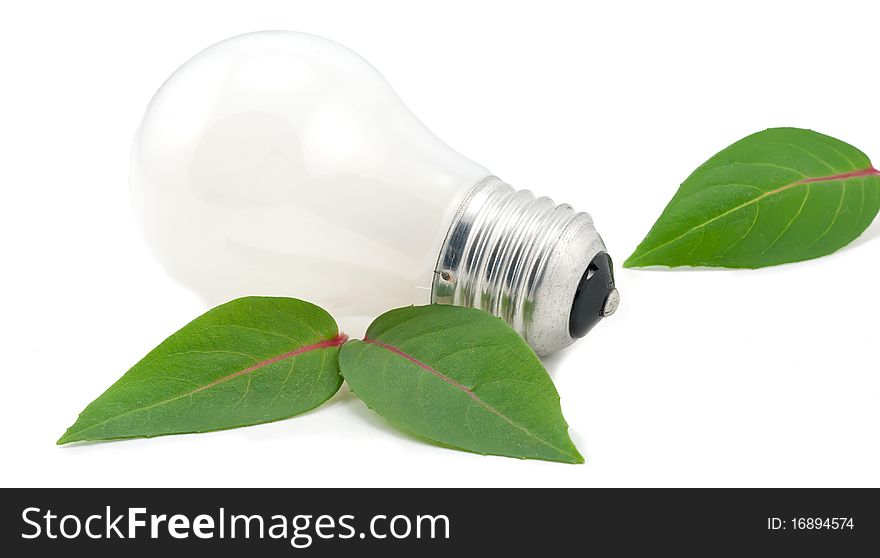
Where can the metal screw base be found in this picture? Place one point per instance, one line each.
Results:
(518, 257)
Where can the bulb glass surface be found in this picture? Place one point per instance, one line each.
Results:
(280, 163)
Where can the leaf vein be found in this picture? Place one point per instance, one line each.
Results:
(790, 222)
(469, 391)
(836, 214)
(335, 342)
(808, 153)
(757, 163)
(776, 191)
(745, 234)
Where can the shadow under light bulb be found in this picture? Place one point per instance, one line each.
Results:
(280, 163)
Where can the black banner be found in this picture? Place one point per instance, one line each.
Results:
(282, 522)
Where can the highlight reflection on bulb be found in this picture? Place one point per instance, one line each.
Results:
(280, 163)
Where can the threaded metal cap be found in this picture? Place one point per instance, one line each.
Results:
(528, 261)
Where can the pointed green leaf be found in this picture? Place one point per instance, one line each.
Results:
(248, 361)
(460, 377)
(778, 196)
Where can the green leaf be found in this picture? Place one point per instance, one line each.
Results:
(248, 361)
(778, 196)
(460, 377)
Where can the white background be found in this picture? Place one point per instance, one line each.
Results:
(731, 378)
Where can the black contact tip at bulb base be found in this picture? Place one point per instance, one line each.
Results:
(591, 299)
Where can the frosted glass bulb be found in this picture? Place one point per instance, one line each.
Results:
(280, 163)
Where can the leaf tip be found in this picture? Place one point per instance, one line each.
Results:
(630, 262)
(575, 458)
(69, 436)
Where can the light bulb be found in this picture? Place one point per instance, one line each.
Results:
(280, 163)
